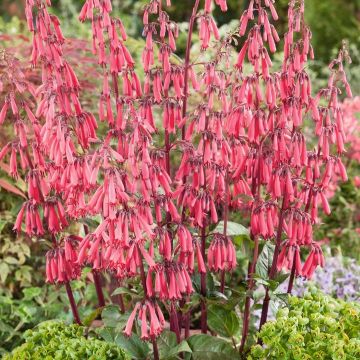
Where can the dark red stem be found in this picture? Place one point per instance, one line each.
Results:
(255, 190)
(143, 281)
(72, 303)
(98, 288)
(187, 61)
(293, 268)
(155, 350)
(272, 273)
(292, 275)
(203, 284)
(225, 217)
(97, 278)
(251, 271)
(176, 327)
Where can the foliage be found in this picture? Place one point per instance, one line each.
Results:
(195, 347)
(314, 327)
(37, 304)
(55, 340)
(15, 263)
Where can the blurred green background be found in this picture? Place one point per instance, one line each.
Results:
(331, 21)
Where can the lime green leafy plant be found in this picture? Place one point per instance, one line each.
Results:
(314, 327)
(54, 340)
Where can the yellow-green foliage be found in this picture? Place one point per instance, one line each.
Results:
(54, 340)
(314, 327)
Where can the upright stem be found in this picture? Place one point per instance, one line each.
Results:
(222, 281)
(293, 268)
(97, 278)
(143, 278)
(272, 273)
(98, 288)
(255, 190)
(292, 275)
(225, 217)
(155, 349)
(187, 62)
(143, 282)
(72, 303)
(203, 284)
(186, 78)
(176, 327)
(251, 271)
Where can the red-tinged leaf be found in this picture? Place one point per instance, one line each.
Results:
(20, 182)
(5, 167)
(9, 187)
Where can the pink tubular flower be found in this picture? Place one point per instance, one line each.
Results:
(221, 254)
(315, 258)
(171, 281)
(287, 256)
(182, 147)
(61, 262)
(151, 317)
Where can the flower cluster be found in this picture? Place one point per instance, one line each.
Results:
(242, 143)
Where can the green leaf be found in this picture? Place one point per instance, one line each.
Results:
(111, 316)
(217, 296)
(4, 272)
(281, 277)
(11, 260)
(233, 229)
(284, 297)
(124, 290)
(31, 292)
(2, 225)
(168, 346)
(210, 286)
(206, 347)
(106, 333)
(264, 261)
(224, 322)
(133, 345)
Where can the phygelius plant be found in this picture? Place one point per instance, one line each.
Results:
(239, 130)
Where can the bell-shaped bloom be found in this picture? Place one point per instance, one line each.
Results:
(149, 314)
(221, 253)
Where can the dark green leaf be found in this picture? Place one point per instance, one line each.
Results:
(168, 346)
(210, 286)
(206, 347)
(233, 229)
(283, 297)
(106, 333)
(133, 345)
(111, 316)
(264, 261)
(281, 277)
(224, 322)
(124, 290)
(217, 295)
